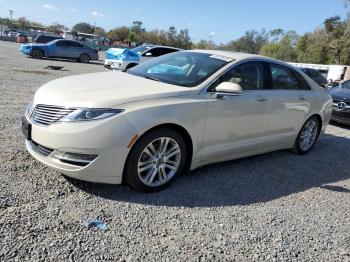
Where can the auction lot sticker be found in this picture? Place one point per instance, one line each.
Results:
(225, 58)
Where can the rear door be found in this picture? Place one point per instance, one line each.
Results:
(61, 49)
(290, 103)
(75, 49)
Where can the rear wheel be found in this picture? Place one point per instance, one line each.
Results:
(84, 58)
(155, 161)
(308, 136)
(37, 54)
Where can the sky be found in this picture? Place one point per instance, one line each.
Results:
(223, 20)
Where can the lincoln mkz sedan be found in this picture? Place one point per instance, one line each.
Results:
(172, 114)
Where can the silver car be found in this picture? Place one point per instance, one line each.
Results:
(172, 114)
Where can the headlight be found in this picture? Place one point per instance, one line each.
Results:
(90, 114)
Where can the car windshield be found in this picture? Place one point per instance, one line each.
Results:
(141, 49)
(186, 69)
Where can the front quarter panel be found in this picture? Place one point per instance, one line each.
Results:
(187, 112)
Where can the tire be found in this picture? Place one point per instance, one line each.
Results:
(37, 54)
(308, 136)
(84, 58)
(149, 171)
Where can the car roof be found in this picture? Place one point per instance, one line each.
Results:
(164, 46)
(230, 54)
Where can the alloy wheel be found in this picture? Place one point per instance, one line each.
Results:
(308, 135)
(159, 161)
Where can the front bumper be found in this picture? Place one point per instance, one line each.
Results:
(108, 139)
(25, 51)
(341, 116)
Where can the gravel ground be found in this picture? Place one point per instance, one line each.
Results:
(277, 206)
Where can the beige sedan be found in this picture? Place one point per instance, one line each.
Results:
(172, 114)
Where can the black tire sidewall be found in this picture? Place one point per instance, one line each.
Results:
(86, 56)
(297, 147)
(37, 54)
(131, 174)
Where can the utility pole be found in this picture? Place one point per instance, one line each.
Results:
(11, 13)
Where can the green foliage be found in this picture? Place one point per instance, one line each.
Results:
(251, 42)
(83, 27)
(119, 33)
(56, 28)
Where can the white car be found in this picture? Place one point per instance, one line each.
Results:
(173, 113)
(124, 59)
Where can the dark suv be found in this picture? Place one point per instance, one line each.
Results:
(46, 38)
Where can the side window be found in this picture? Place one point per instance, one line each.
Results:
(61, 43)
(250, 76)
(168, 50)
(75, 44)
(283, 78)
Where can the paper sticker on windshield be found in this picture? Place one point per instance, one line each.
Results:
(225, 58)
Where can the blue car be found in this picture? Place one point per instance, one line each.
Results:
(61, 48)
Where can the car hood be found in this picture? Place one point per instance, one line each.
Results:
(340, 94)
(104, 90)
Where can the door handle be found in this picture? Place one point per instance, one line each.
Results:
(303, 98)
(261, 98)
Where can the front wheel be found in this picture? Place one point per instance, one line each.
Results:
(37, 54)
(155, 161)
(308, 136)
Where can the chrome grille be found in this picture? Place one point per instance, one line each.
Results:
(46, 115)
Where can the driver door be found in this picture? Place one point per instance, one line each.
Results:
(235, 124)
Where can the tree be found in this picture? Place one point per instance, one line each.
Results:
(138, 31)
(23, 22)
(83, 27)
(56, 28)
(205, 44)
(183, 40)
(172, 35)
(284, 49)
(251, 42)
(119, 33)
(99, 31)
(338, 33)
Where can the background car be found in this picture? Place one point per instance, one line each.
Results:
(21, 38)
(316, 76)
(341, 102)
(68, 49)
(176, 112)
(121, 59)
(43, 39)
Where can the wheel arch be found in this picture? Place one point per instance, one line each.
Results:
(319, 119)
(38, 49)
(178, 128)
(131, 65)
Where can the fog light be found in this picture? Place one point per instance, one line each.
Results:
(74, 158)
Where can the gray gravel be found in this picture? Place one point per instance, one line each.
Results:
(277, 206)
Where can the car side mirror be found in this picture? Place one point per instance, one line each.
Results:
(148, 54)
(228, 89)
